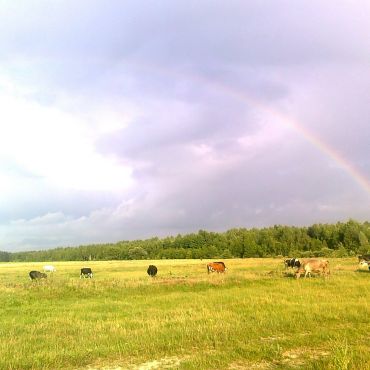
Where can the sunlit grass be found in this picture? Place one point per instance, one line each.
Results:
(254, 316)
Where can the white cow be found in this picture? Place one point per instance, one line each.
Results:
(365, 264)
(49, 268)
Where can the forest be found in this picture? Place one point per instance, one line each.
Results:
(341, 239)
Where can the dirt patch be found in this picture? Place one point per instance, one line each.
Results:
(241, 365)
(272, 338)
(163, 363)
(298, 356)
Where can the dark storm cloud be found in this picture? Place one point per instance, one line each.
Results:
(85, 39)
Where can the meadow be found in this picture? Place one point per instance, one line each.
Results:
(255, 316)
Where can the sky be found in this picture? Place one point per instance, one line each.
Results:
(124, 120)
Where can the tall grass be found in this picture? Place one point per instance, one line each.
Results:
(254, 316)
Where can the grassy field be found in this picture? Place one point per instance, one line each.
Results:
(256, 316)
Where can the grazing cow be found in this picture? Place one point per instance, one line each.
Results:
(364, 257)
(86, 272)
(152, 270)
(35, 275)
(216, 267)
(49, 268)
(365, 264)
(313, 265)
(292, 262)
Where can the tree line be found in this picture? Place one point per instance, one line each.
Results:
(319, 240)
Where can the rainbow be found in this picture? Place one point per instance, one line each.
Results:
(308, 135)
(330, 152)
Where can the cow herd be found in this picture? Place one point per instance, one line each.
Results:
(302, 266)
(308, 266)
(321, 266)
(86, 272)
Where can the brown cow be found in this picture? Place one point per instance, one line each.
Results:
(216, 267)
(313, 265)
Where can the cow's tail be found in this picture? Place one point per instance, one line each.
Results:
(208, 268)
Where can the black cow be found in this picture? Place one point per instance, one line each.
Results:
(86, 272)
(292, 262)
(34, 275)
(152, 270)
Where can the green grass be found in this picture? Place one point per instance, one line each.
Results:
(254, 316)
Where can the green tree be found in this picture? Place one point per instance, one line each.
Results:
(364, 243)
(137, 253)
(226, 254)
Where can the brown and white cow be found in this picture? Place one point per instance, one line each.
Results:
(313, 265)
(216, 267)
(364, 258)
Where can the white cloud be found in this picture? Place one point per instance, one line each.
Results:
(57, 146)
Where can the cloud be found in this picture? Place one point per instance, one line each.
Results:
(55, 146)
(127, 120)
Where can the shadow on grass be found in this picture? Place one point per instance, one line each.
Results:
(363, 271)
(281, 274)
(289, 274)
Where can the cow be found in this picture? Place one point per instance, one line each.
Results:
(49, 268)
(365, 264)
(364, 257)
(86, 272)
(35, 275)
(152, 270)
(218, 267)
(313, 265)
(292, 262)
